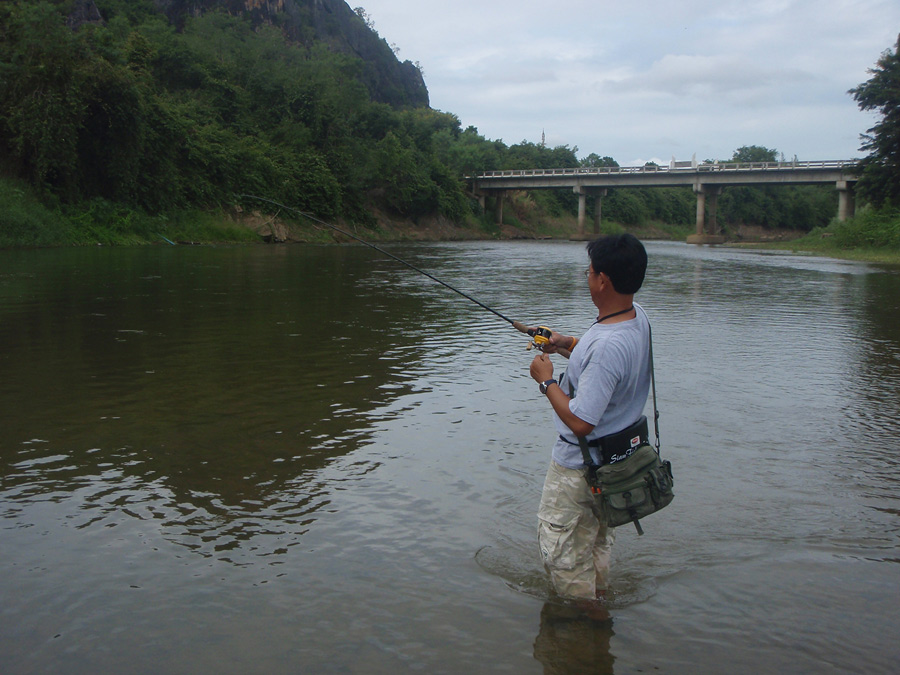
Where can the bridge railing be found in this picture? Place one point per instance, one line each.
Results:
(699, 168)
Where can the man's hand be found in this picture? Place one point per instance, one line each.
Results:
(559, 343)
(541, 368)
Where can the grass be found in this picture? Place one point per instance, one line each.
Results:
(204, 226)
(873, 235)
(29, 220)
(26, 222)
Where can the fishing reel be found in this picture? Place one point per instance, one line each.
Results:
(540, 337)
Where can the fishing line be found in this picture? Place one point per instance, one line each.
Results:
(515, 324)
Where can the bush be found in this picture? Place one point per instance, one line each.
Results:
(871, 228)
(25, 221)
(105, 222)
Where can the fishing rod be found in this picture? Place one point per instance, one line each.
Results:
(541, 334)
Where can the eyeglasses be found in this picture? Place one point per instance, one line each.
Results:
(589, 272)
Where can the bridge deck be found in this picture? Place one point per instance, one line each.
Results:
(755, 173)
(707, 180)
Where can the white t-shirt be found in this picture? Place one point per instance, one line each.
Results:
(609, 375)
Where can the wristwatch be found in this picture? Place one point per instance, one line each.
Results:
(543, 385)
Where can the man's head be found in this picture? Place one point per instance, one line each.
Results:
(622, 258)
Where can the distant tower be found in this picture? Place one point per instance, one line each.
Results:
(543, 139)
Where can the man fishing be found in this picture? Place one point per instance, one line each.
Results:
(603, 391)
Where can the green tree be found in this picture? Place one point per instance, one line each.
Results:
(626, 206)
(468, 152)
(880, 180)
(784, 207)
(41, 93)
(594, 159)
(754, 153)
(403, 180)
(528, 155)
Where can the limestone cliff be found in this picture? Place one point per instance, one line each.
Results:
(333, 23)
(82, 12)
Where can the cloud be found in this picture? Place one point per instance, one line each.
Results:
(650, 79)
(701, 77)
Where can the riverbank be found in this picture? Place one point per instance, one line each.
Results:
(870, 236)
(802, 246)
(28, 222)
(280, 228)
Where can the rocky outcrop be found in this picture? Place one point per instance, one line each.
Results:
(83, 11)
(389, 80)
(333, 23)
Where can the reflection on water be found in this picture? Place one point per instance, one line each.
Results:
(205, 398)
(263, 459)
(572, 640)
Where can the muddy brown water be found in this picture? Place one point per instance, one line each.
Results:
(313, 459)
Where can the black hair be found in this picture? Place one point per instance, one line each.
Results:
(622, 258)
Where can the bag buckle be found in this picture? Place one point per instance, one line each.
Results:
(593, 480)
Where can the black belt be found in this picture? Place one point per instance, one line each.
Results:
(596, 443)
(616, 444)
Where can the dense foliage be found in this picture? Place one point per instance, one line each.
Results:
(793, 207)
(870, 229)
(136, 112)
(880, 182)
(133, 111)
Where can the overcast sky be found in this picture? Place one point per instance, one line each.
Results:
(647, 80)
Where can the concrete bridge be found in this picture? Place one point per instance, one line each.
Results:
(707, 181)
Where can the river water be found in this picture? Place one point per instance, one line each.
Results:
(313, 459)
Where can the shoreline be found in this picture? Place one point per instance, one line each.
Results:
(237, 226)
(873, 256)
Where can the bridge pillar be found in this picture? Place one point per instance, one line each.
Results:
(582, 212)
(701, 211)
(598, 203)
(846, 200)
(582, 208)
(583, 192)
(500, 195)
(712, 207)
(707, 231)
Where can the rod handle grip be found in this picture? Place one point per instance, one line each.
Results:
(519, 326)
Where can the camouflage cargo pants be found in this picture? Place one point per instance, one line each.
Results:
(575, 542)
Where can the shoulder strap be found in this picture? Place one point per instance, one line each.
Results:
(585, 452)
(582, 441)
(653, 388)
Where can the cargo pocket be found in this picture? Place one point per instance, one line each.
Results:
(556, 534)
